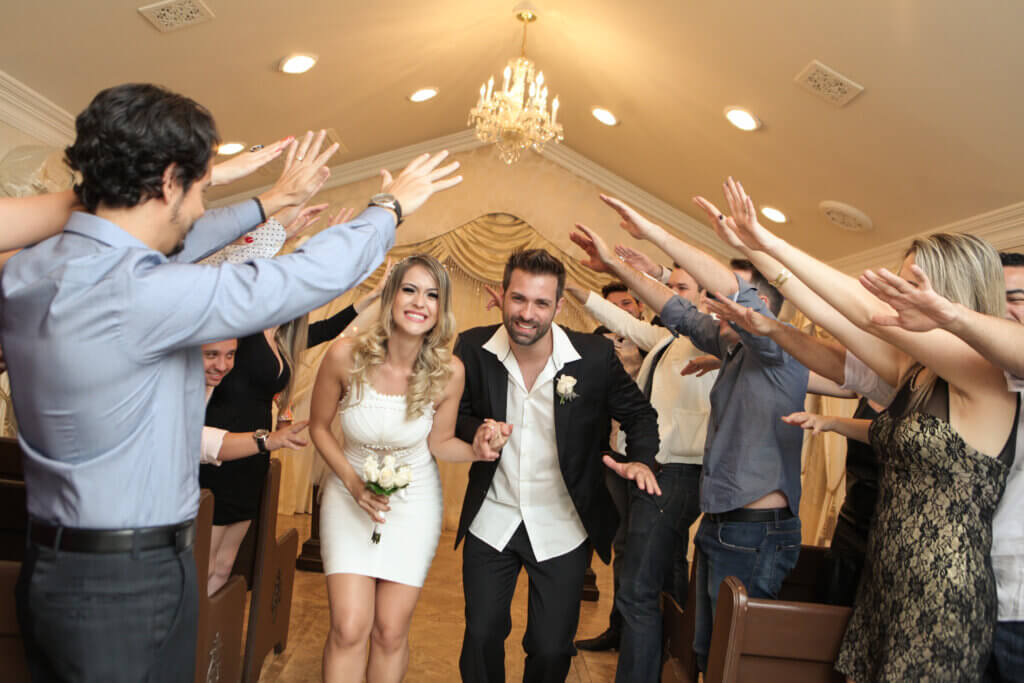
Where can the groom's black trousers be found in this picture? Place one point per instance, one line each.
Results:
(489, 581)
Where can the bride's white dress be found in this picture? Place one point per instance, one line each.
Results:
(377, 424)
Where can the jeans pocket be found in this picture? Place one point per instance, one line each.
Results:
(740, 536)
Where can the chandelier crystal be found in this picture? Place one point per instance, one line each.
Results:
(515, 116)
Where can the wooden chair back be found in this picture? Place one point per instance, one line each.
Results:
(773, 640)
(271, 563)
(221, 615)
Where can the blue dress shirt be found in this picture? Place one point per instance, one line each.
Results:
(101, 335)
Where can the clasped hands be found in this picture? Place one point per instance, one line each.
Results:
(490, 438)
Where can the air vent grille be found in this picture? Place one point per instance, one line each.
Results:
(828, 84)
(845, 216)
(172, 15)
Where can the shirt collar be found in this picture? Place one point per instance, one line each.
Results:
(562, 349)
(102, 230)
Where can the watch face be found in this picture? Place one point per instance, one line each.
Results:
(383, 198)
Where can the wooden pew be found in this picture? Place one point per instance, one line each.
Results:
(267, 563)
(12, 650)
(773, 640)
(219, 642)
(13, 515)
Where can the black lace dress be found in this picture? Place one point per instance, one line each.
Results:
(243, 402)
(926, 605)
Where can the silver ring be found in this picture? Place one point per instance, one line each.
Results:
(255, 148)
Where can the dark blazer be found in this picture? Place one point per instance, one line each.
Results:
(604, 391)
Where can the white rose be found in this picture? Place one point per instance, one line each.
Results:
(389, 461)
(566, 384)
(404, 476)
(370, 470)
(387, 477)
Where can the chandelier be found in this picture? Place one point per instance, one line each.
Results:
(515, 116)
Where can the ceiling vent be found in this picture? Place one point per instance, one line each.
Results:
(828, 84)
(845, 216)
(172, 15)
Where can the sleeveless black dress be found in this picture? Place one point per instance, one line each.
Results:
(243, 402)
(926, 605)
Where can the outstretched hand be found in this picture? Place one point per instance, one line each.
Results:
(599, 256)
(636, 471)
(305, 172)
(917, 309)
(419, 180)
(701, 365)
(241, 165)
(632, 222)
(747, 318)
(744, 219)
(811, 422)
(639, 260)
(497, 295)
(288, 437)
(723, 225)
(296, 220)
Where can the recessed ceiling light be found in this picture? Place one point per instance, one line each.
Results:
(773, 214)
(604, 116)
(423, 94)
(297, 64)
(742, 119)
(229, 148)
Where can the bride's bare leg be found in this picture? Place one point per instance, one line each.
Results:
(389, 642)
(351, 599)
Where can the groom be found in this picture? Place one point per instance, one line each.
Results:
(551, 394)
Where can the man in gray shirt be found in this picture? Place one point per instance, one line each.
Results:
(102, 326)
(750, 484)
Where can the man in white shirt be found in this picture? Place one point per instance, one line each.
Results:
(658, 528)
(536, 506)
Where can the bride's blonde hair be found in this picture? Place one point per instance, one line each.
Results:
(432, 367)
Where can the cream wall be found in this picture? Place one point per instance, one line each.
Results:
(11, 137)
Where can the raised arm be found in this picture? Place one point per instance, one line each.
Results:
(946, 355)
(29, 220)
(849, 427)
(705, 269)
(640, 332)
(921, 308)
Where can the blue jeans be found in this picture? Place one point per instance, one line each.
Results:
(1007, 661)
(760, 554)
(657, 538)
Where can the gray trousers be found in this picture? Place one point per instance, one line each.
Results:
(109, 617)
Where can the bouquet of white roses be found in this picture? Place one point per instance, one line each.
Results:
(384, 476)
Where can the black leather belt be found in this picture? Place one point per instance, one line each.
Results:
(177, 536)
(751, 515)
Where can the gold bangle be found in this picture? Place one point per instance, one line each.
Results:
(780, 279)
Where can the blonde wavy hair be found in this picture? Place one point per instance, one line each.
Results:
(291, 339)
(432, 367)
(964, 269)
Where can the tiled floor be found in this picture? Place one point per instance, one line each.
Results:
(437, 625)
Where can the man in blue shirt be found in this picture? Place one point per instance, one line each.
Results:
(102, 325)
(750, 483)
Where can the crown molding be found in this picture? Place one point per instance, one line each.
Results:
(361, 169)
(26, 110)
(1003, 228)
(688, 228)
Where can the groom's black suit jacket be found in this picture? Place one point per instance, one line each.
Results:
(604, 391)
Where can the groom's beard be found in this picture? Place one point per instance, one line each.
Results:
(523, 337)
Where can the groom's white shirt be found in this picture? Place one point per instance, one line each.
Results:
(528, 486)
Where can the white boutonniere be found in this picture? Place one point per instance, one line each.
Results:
(564, 387)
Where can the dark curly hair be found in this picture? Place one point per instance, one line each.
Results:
(128, 136)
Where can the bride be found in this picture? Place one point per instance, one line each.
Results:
(399, 388)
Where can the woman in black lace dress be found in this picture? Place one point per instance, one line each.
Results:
(925, 608)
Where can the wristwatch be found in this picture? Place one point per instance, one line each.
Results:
(260, 436)
(387, 201)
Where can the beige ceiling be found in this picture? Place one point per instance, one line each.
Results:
(934, 138)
